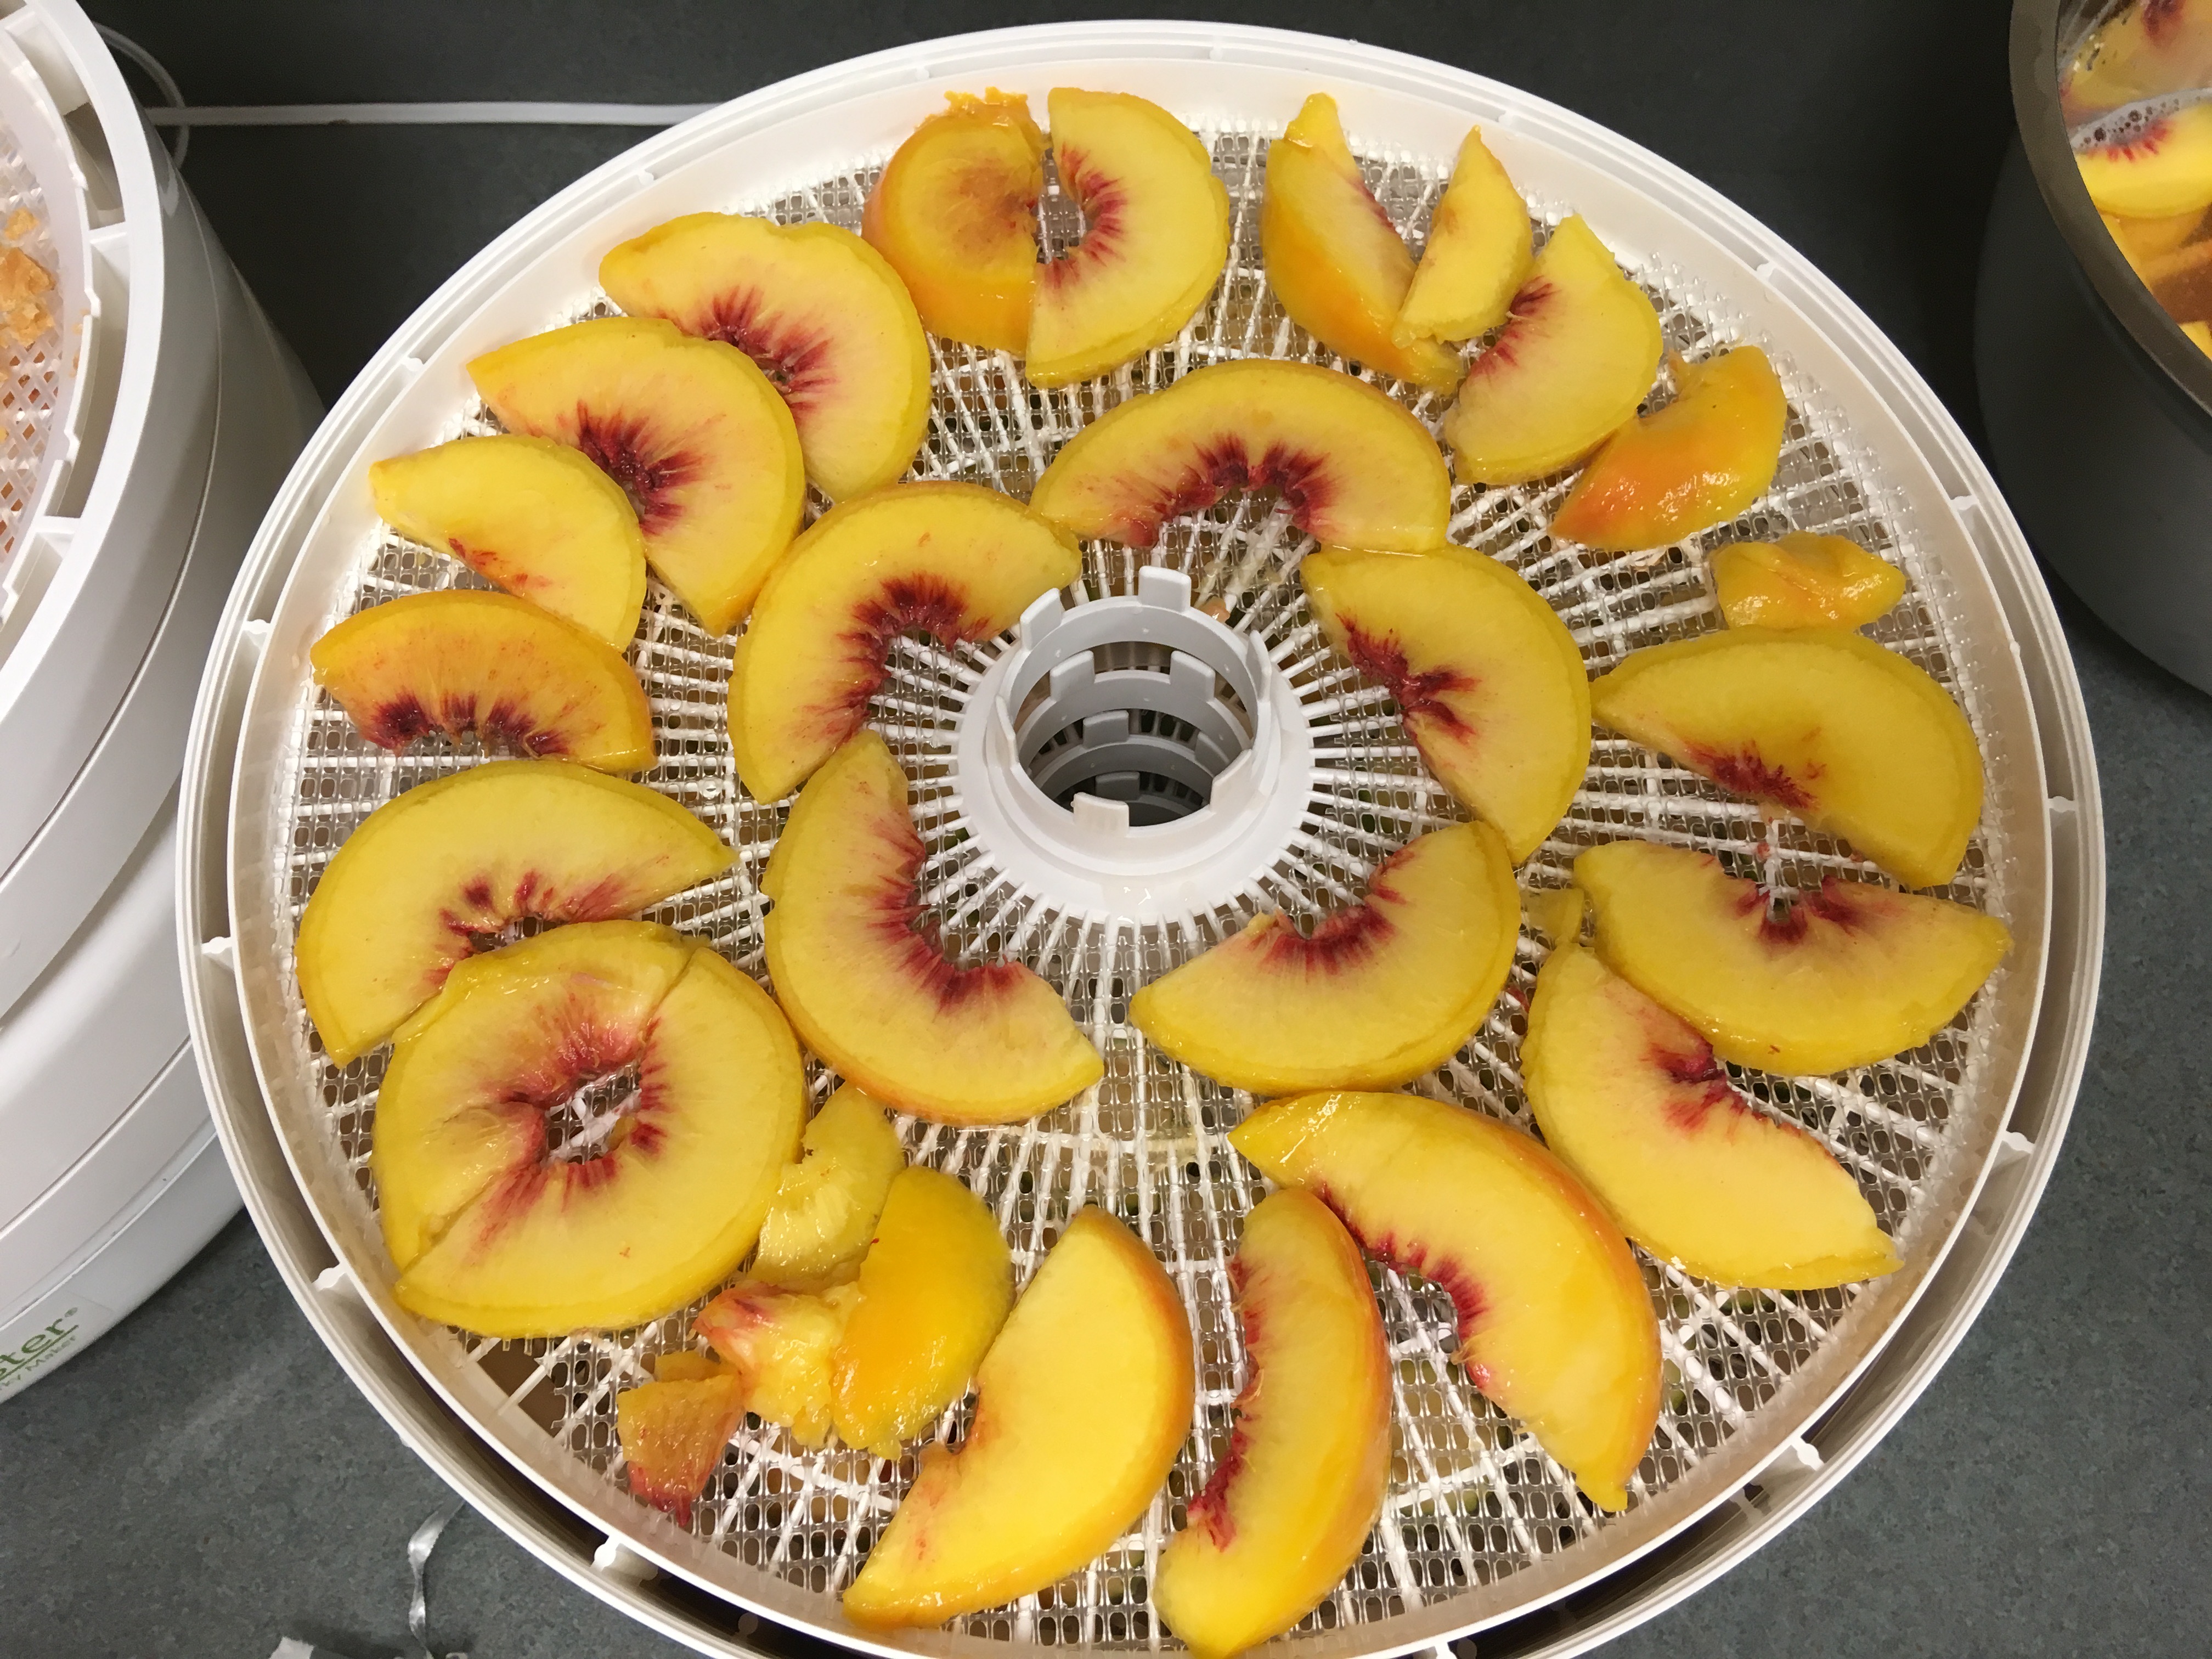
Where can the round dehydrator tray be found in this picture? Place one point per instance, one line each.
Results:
(1478, 1526)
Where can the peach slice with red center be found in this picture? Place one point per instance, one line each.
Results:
(692, 431)
(1332, 256)
(1081, 1406)
(1378, 993)
(821, 312)
(2160, 170)
(954, 561)
(1802, 581)
(783, 1342)
(1479, 253)
(530, 514)
(672, 1430)
(1821, 724)
(1698, 462)
(1288, 1506)
(1488, 680)
(449, 864)
(825, 1210)
(868, 985)
(1580, 347)
(458, 661)
(1555, 1323)
(1353, 465)
(955, 214)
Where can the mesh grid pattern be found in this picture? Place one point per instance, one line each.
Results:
(31, 377)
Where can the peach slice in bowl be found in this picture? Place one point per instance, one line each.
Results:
(1479, 253)
(1803, 581)
(2159, 171)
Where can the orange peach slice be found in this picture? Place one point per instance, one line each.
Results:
(1354, 466)
(954, 561)
(1488, 680)
(2162, 170)
(672, 1430)
(1842, 976)
(1081, 1406)
(1477, 256)
(1820, 723)
(458, 661)
(1287, 1507)
(955, 214)
(783, 1342)
(1580, 346)
(530, 514)
(821, 312)
(1332, 256)
(690, 429)
(825, 1210)
(1802, 581)
(1156, 236)
(1377, 995)
(1555, 1323)
(871, 992)
(456, 861)
(1698, 462)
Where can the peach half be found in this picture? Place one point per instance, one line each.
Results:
(1488, 680)
(1845, 975)
(869, 988)
(692, 431)
(1802, 581)
(428, 877)
(1332, 256)
(1479, 253)
(1378, 993)
(1821, 724)
(1289, 1504)
(2162, 170)
(822, 314)
(459, 661)
(953, 561)
(1353, 465)
(1555, 1323)
(1081, 1406)
(782, 1342)
(672, 1430)
(825, 1210)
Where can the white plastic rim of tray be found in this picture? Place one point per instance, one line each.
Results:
(1662, 225)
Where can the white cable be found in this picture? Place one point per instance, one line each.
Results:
(164, 82)
(455, 114)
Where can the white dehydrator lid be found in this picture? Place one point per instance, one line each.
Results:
(1775, 1397)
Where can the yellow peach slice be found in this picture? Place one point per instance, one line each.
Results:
(2144, 239)
(1378, 993)
(1477, 255)
(455, 861)
(955, 214)
(1081, 1406)
(672, 1431)
(1288, 1506)
(873, 993)
(954, 561)
(530, 514)
(1156, 236)
(519, 677)
(1354, 466)
(783, 1341)
(1580, 346)
(821, 312)
(1488, 680)
(1555, 1323)
(2162, 170)
(1821, 724)
(690, 429)
(1698, 462)
(1802, 581)
(825, 1210)
(1332, 256)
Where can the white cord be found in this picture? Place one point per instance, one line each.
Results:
(457, 115)
(164, 82)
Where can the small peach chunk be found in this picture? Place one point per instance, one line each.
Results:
(672, 1431)
(2143, 239)
(1479, 253)
(825, 1210)
(2160, 171)
(1803, 581)
(783, 1342)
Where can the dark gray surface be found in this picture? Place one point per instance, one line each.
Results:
(204, 1479)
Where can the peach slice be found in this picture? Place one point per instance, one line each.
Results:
(1633, 1102)
(1555, 1323)
(934, 1290)
(955, 214)
(1156, 236)
(2162, 170)
(1377, 995)
(1082, 1403)
(1821, 724)
(1488, 680)
(1842, 976)
(1698, 462)
(672, 1430)
(457, 860)
(783, 1341)
(1580, 347)
(1479, 253)
(1802, 581)
(870, 988)
(1286, 1509)
(1332, 256)
(658, 1214)
(825, 1210)
(954, 561)
(2145, 239)
(457, 662)
(530, 514)
(1354, 466)
(692, 431)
